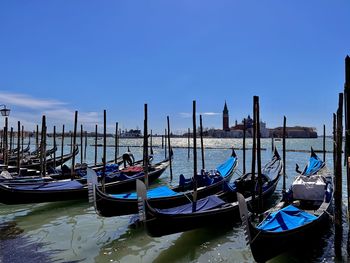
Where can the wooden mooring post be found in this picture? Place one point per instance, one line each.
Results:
(6, 154)
(188, 143)
(284, 152)
(81, 144)
(145, 144)
(194, 203)
(244, 138)
(338, 179)
(86, 143)
(347, 125)
(18, 148)
(324, 143)
(169, 148)
(253, 158)
(334, 141)
(23, 137)
(151, 142)
(71, 141)
(116, 150)
(95, 144)
(202, 143)
(104, 158)
(347, 135)
(43, 146)
(37, 137)
(74, 144)
(258, 154)
(11, 139)
(165, 144)
(55, 146)
(62, 146)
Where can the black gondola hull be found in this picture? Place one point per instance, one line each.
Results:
(158, 224)
(267, 245)
(9, 195)
(108, 206)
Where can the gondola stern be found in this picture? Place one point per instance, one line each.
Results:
(243, 211)
(92, 184)
(141, 198)
(313, 154)
(276, 153)
(233, 154)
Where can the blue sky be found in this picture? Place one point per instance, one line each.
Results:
(60, 56)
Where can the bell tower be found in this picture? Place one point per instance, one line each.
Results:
(225, 120)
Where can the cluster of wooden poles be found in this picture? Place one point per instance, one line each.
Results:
(344, 103)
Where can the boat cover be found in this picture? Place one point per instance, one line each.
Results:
(132, 169)
(202, 205)
(209, 178)
(51, 186)
(225, 168)
(290, 217)
(309, 187)
(162, 191)
(114, 177)
(110, 168)
(315, 164)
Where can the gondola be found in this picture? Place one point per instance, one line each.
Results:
(12, 155)
(211, 211)
(34, 176)
(35, 164)
(302, 214)
(71, 189)
(29, 157)
(108, 205)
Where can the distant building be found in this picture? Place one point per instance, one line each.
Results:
(217, 133)
(131, 133)
(294, 132)
(237, 130)
(225, 119)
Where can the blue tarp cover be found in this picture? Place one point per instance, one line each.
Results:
(225, 168)
(287, 218)
(314, 165)
(204, 204)
(110, 168)
(162, 191)
(51, 186)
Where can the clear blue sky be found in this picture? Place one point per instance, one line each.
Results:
(61, 56)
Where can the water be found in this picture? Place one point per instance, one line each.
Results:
(71, 231)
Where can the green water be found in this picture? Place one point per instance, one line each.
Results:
(71, 231)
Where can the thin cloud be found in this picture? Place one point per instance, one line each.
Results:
(26, 101)
(210, 113)
(185, 114)
(29, 111)
(65, 114)
(189, 115)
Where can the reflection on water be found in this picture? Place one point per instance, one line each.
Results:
(71, 231)
(15, 247)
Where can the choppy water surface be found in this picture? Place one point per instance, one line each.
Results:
(71, 231)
